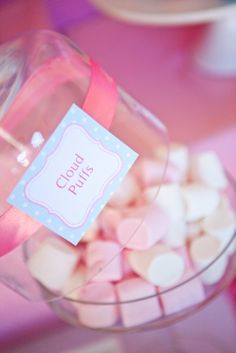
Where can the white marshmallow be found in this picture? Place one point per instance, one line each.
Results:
(76, 280)
(176, 234)
(127, 193)
(207, 168)
(203, 251)
(53, 263)
(200, 201)
(169, 199)
(221, 224)
(159, 265)
(178, 157)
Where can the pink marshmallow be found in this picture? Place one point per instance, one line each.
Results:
(127, 269)
(150, 172)
(108, 221)
(142, 228)
(184, 296)
(103, 260)
(98, 315)
(137, 312)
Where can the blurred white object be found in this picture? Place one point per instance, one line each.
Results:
(207, 168)
(159, 265)
(200, 201)
(216, 52)
(203, 251)
(53, 263)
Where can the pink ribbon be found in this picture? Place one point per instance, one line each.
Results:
(100, 102)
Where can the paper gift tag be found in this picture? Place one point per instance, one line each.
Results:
(74, 176)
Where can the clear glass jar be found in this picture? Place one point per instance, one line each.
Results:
(42, 74)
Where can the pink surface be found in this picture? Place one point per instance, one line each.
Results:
(155, 66)
(16, 13)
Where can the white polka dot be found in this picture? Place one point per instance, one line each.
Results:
(102, 206)
(84, 120)
(60, 229)
(95, 129)
(63, 125)
(33, 168)
(120, 179)
(92, 220)
(12, 197)
(117, 147)
(53, 139)
(25, 204)
(49, 220)
(107, 138)
(37, 213)
(128, 155)
(43, 153)
(74, 121)
(72, 236)
(111, 193)
(82, 234)
(22, 182)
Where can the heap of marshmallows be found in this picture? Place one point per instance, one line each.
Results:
(143, 244)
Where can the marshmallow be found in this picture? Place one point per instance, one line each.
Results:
(91, 233)
(108, 221)
(103, 260)
(127, 193)
(142, 228)
(127, 270)
(76, 280)
(148, 172)
(99, 315)
(53, 262)
(203, 251)
(222, 225)
(178, 157)
(207, 168)
(184, 296)
(141, 311)
(194, 229)
(200, 201)
(176, 234)
(169, 199)
(159, 265)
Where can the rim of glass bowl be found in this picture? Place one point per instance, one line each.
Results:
(55, 297)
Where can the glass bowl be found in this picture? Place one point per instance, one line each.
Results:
(67, 307)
